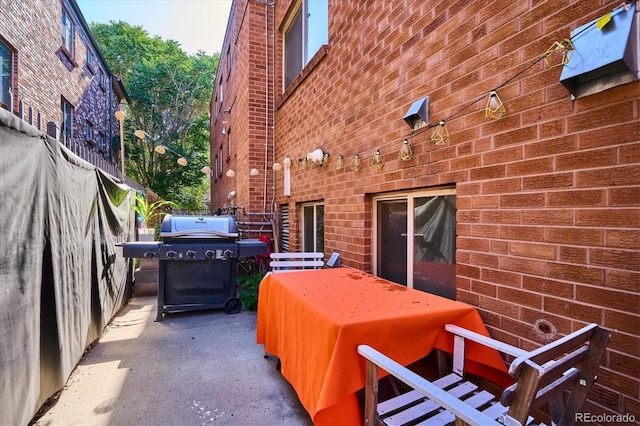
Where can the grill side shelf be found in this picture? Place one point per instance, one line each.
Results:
(140, 249)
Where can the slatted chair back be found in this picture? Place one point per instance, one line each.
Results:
(282, 262)
(547, 374)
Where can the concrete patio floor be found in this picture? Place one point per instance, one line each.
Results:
(195, 368)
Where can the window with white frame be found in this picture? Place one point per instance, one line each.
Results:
(313, 227)
(415, 240)
(6, 75)
(67, 32)
(307, 31)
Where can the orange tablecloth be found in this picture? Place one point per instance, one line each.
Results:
(315, 320)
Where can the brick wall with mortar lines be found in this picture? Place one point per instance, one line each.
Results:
(548, 196)
(32, 28)
(246, 92)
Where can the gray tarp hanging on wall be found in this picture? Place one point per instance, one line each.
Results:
(61, 276)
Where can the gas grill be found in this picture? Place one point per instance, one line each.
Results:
(197, 262)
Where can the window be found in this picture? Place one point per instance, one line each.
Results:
(101, 78)
(89, 131)
(220, 159)
(90, 59)
(102, 142)
(67, 32)
(6, 76)
(229, 59)
(313, 227)
(221, 91)
(66, 130)
(308, 30)
(217, 171)
(427, 261)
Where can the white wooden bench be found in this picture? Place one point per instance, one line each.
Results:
(283, 262)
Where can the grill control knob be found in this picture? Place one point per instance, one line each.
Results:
(209, 254)
(171, 254)
(191, 254)
(227, 253)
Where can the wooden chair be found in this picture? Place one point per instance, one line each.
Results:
(560, 373)
(283, 262)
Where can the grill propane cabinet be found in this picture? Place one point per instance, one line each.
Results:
(197, 262)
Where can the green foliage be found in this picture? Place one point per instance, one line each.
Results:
(250, 287)
(149, 211)
(170, 93)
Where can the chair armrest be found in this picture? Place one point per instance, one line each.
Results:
(460, 409)
(484, 340)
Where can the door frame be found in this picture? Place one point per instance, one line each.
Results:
(409, 197)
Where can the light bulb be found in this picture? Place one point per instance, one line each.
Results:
(440, 135)
(230, 173)
(377, 162)
(405, 153)
(276, 167)
(494, 109)
(339, 163)
(493, 101)
(254, 172)
(355, 163)
(182, 161)
(160, 149)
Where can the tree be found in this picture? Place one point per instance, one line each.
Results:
(170, 92)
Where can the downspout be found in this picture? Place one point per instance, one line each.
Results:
(273, 106)
(266, 106)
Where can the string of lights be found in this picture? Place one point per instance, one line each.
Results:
(494, 108)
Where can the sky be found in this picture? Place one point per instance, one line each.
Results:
(195, 24)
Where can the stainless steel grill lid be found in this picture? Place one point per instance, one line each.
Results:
(199, 227)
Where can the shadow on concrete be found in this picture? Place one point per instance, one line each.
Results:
(193, 368)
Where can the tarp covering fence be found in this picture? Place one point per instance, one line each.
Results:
(62, 278)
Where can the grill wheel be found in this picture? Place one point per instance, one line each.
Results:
(232, 305)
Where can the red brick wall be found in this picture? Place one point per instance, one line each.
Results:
(248, 84)
(32, 29)
(548, 197)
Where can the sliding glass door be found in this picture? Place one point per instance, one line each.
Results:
(425, 261)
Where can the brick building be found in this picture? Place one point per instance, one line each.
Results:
(54, 75)
(533, 217)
